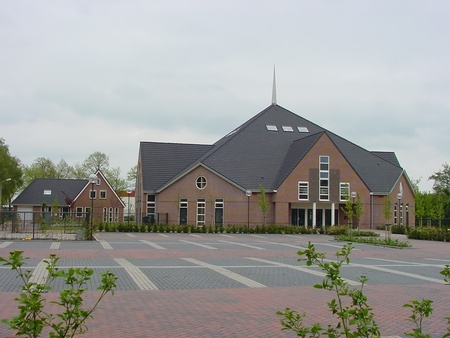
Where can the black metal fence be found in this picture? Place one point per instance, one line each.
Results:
(41, 225)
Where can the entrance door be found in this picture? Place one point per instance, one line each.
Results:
(298, 217)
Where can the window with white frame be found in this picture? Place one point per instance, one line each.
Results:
(183, 211)
(201, 211)
(151, 206)
(103, 194)
(116, 215)
(324, 178)
(303, 191)
(105, 215)
(110, 216)
(201, 182)
(92, 194)
(344, 191)
(400, 211)
(395, 214)
(79, 211)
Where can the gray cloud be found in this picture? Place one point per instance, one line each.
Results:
(101, 76)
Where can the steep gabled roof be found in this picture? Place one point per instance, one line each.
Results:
(254, 154)
(378, 174)
(388, 156)
(47, 189)
(161, 162)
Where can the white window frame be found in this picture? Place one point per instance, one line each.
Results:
(184, 205)
(301, 186)
(344, 191)
(201, 182)
(201, 211)
(79, 212)
(101, 193)
(92, 194)
(324, 176)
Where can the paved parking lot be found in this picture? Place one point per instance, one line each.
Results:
(231, 285)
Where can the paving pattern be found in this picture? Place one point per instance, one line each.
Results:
(230, 285)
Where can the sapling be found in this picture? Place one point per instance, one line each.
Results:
(32, 319)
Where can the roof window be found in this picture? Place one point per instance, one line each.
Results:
(287, 128)
(47, 192)
(271, 127)
(302, 130)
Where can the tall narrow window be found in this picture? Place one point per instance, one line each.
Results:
(407, 214)
(303, 191)
(110, 218)
(183, 211)
(401, 214)
(151, 208)
(201, 211)
(344, 191)
(218, 211)
(395, 214)
(324, 175)
(116, 215)
(105, 215)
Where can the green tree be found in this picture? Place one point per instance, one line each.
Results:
(419, 210)
(441, 179)
(358, 209)
(132, 176)
(348, 212)
(263, 203)
(41, 168)
(10, 170)
(94, 162)
(117, 183)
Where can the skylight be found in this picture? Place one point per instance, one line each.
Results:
(288, 128)
(302, 130)
(271, 127)
(47, 192)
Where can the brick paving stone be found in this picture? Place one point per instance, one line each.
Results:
(196, 301)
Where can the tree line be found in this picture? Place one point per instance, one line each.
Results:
(434, 205)
(15, 176)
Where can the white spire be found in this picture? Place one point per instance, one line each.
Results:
(274, 88)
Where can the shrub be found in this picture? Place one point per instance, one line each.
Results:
(429, 233)
(336, 230)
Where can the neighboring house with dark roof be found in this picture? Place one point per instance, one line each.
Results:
(307, 172)
(73, 196)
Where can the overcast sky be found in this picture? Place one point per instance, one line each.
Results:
(84, 76)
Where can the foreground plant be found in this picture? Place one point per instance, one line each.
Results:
(355, 317)
(32, 319)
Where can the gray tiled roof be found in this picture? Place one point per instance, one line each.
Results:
(161, 162)
(251, 155)
(58, 188)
